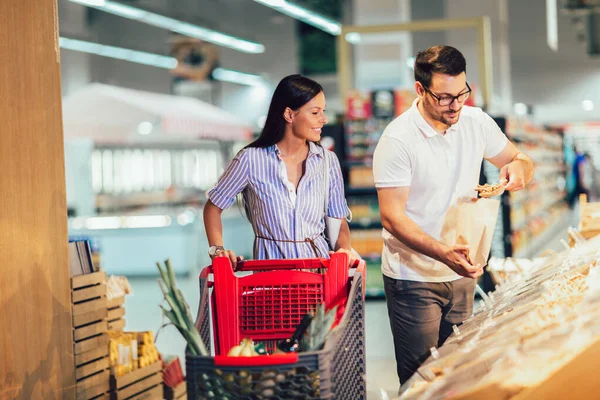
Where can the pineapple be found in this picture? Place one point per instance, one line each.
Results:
(319, 329)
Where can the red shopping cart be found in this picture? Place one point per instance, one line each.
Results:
(266, 305)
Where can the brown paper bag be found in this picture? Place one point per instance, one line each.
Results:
(475, 223)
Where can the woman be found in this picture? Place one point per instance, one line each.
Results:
(282, 178)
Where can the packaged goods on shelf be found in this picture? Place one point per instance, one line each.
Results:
(589, 217)
(364, 210)
(538, 207)
(117, 286)
(504, 270)
(130, 351)
(540, 326)
(368, 243)
(361, 176)
(173, 379)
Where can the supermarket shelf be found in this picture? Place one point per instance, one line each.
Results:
(374, 289)
(374, 293)
(542, 210)
(368, 191)
(560, 196)
(365, 225)
(370, 259)
(539, 243)
(367, 162)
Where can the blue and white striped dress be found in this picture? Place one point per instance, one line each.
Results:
(282, 218)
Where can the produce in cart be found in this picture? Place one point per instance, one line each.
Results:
(179, 314)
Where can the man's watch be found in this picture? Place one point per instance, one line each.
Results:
(214, 250)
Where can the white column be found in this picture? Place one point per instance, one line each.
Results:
(466, 41)
(75, 66)
(380, 60)
(80, 192)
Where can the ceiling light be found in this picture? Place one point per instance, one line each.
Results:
(145, 128)
(92, 2)
(174, 25)
(587, 105)
(139, 57)
(103, 223)
(272, 3)
(520, 109)
(243, 78)
(154, 60)
(552, 25)
(147, 221)
(353, 37)
(305, 15)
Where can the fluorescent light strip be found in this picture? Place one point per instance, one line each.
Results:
(300, 13)
(132, 222)
(174, 25)
(228, 75)
(139, 57)
(154, 60)
(552, 25)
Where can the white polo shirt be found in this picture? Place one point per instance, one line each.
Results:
(439, 170)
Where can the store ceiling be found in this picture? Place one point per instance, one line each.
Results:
(229, 16)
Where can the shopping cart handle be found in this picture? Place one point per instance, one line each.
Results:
(256, 361)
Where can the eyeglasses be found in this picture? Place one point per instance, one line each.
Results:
(447, 100)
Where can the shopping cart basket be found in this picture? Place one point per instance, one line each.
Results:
(266, 306)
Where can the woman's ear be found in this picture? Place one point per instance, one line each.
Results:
(287, 115)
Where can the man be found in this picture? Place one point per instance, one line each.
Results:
(426, 159)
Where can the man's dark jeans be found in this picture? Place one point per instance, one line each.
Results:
(422, 315)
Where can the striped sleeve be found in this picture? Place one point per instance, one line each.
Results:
(337, 201)
(233, 181)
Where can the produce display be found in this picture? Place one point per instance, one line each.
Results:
(179, 313)
(541, 320)
(130, 351)
(117, 286)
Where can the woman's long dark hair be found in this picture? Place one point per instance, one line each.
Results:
(293, 91)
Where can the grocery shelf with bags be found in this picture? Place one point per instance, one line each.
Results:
(537, 336)
(266, 306)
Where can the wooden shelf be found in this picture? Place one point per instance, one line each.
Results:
(116, 302)
(90, 341)
(115, 313)
(116, 325)
(177, 393)
(143, 383)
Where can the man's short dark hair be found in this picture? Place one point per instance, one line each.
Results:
(441, 60)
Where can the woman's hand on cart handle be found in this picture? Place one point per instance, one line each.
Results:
(352, 259)
(231, 255)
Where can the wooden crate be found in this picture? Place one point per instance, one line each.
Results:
(589, 215)
(116, 312)
(116, 302)
(90, 341)
(88, 295)
(116, 325)
(141, 384)
(177, 393)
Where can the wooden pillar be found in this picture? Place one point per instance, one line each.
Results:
(36, 353)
